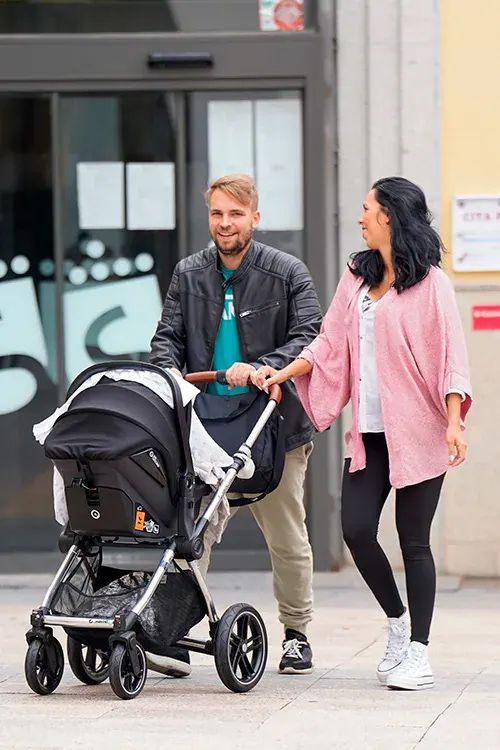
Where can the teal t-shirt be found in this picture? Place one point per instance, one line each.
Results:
(227, 348)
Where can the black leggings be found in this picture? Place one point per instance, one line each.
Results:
(363, 496)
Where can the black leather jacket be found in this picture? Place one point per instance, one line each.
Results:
(277, 313)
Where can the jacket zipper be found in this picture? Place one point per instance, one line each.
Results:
(245, 313)
(224, 286)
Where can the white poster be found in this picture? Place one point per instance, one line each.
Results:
(150, 195)
(100, 195)
(230, 138)
(279, 163)
(476, 233)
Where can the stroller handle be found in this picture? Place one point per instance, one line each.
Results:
(219, 376)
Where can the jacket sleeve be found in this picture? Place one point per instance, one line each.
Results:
(168, 345)
(326, 389)
(304, 319)
(456, 364)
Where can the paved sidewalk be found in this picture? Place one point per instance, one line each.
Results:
(339, 706)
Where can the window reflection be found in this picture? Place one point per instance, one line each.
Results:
(28, 349)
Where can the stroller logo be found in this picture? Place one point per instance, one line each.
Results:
(95, 514)
(151, 527)
(154, 458)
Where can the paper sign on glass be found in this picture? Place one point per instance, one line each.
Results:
(151, 195)
(279, 163)
(230, 138)
(100, 195)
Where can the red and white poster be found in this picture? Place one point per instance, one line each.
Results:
(486, 317)
(281, 15)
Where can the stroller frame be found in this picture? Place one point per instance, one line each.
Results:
(45, 653)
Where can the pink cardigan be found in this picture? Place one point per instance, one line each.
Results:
(420, 353)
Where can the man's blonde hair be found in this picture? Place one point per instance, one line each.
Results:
(241, 187)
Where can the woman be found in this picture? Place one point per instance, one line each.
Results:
(392, 343)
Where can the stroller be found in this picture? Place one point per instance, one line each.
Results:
(129, 483)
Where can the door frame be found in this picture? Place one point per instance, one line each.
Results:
(62, 64)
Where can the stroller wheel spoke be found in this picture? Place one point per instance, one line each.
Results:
(254, 642)
(43, 676)
(236, 657)
(246, 667)
(242, 627)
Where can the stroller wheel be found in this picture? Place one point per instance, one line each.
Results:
(88, 664)
(124, 682)
(240, 648)
(44, 665)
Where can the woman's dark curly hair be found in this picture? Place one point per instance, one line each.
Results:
(416, 246)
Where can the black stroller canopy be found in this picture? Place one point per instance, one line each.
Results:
(113, 419)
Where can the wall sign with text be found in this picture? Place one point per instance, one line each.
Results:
(476, 233)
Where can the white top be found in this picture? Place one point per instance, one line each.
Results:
(370, 410)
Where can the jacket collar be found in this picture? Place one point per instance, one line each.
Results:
(246, 263)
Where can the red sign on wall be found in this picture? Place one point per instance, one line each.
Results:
(486, 317)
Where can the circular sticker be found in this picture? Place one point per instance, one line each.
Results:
(288, 15)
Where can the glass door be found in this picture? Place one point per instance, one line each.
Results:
(28, 325)
(133, 170)
(119, 231)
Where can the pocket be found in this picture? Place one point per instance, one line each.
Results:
(261, 309)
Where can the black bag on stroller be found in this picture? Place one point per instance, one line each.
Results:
(228, 420)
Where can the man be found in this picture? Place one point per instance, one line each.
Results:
(242, 306)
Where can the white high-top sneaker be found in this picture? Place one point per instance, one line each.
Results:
(414, 672)
(397, 645)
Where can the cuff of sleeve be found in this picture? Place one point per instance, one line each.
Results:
(460, 393)
(307, 355)
(456, 382)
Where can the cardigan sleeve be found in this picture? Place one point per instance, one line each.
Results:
(456, 372)
(326, 390)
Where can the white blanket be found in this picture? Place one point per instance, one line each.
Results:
(209, 459)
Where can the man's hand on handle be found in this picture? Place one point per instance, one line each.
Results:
(239, 374)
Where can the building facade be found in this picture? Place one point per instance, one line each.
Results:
(113, 118)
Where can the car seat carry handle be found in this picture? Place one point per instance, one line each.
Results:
(219, 376)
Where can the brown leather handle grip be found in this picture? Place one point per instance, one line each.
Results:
(210, 376)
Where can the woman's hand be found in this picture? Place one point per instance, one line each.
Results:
(259, 377)
(278, 376)
(457, 447)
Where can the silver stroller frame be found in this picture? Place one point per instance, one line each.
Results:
(236, 675)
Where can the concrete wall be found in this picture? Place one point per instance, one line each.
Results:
(388, 105)
(470, 163)
(417, 87)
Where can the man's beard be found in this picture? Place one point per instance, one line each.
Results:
(240, 245)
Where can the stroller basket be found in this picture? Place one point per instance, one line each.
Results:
(176, 606)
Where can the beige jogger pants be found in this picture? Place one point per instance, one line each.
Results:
(281, 518)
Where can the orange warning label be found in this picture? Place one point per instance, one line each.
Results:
(140, 517)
